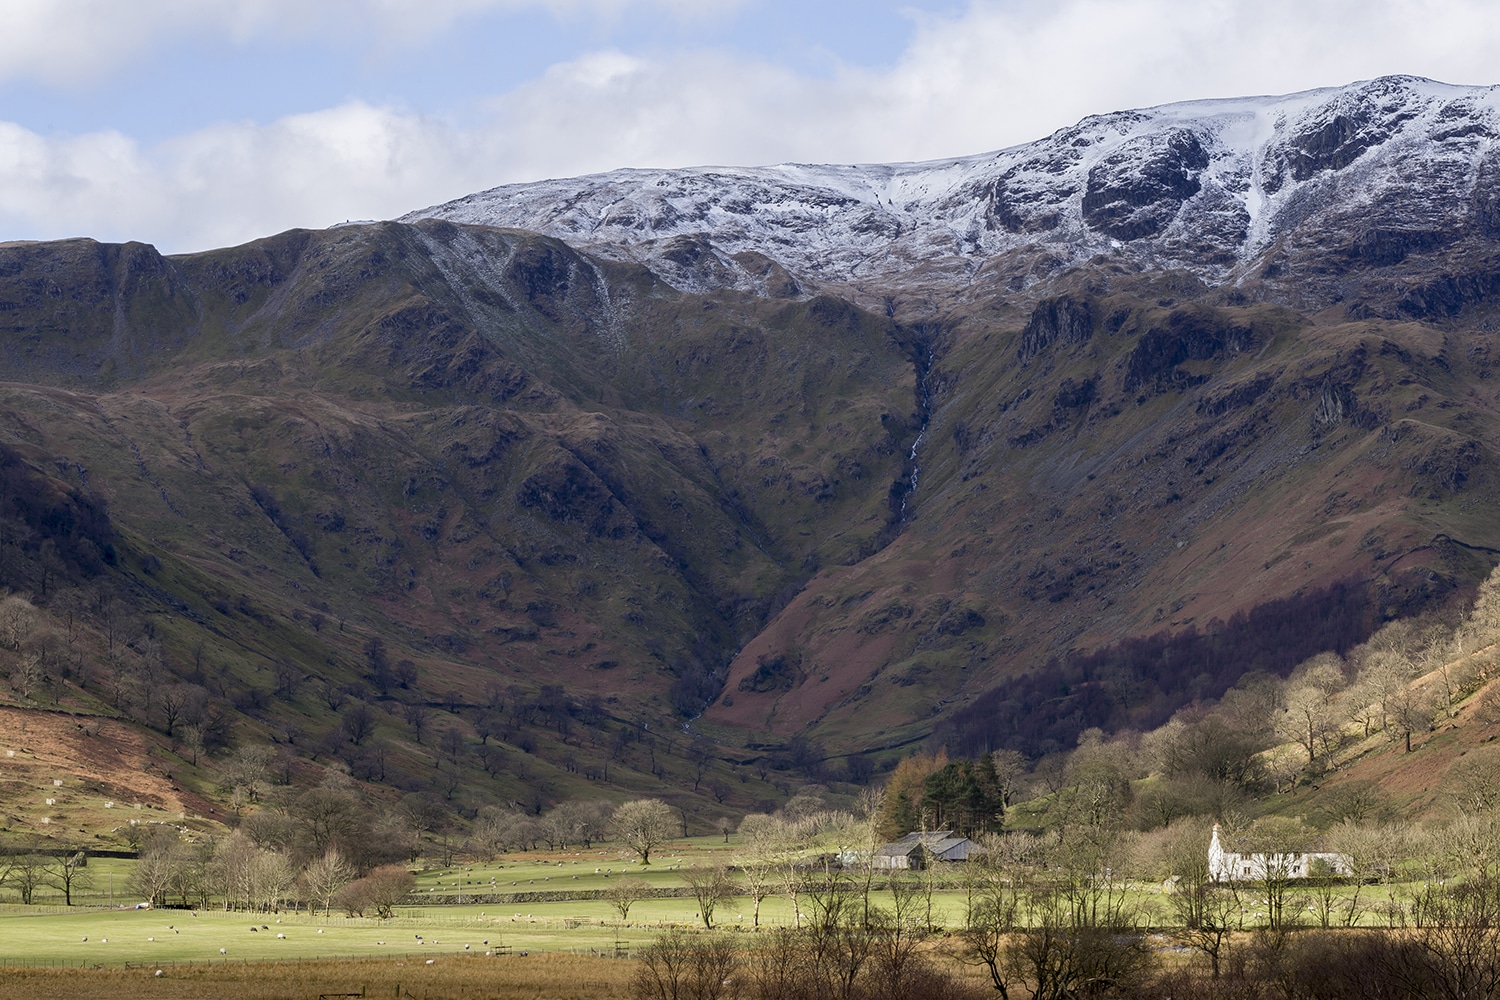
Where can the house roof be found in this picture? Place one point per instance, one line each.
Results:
(940, 843)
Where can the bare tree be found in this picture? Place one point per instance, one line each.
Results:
(357, 722)
(289, 678)
(623, 893)
(331, 694)
(1208, 911)
(271, 879)
(1276, 843)
(416, 717)
(644, 825)
(992, 908)
(154, 871)
(1308, 719)
(1411, 712)
(17, 618)
(710, 887)
(25, 872)
(325, 875)
(678, 966)
(70, 873)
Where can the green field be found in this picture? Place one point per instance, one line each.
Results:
(447, 918)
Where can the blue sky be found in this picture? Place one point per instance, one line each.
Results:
(197, 78)
(195, 123)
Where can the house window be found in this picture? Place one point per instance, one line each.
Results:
(1246, 870)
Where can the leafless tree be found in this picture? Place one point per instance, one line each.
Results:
(325, 875)
(25, 872)
(644, 825)
(710, 887)
(623, 893)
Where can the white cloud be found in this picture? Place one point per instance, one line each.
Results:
(69, 43)
(996, 75)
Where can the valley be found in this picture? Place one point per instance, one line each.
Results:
(710, 484)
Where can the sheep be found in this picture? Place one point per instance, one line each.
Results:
(281, 937)
(223, 951)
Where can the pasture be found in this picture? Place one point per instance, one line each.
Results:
(537, 944)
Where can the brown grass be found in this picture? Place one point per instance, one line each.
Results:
(534, 977)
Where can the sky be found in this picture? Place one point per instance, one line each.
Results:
(192, 124)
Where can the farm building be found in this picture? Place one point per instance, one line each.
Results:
(915, 850)
(1228, 866)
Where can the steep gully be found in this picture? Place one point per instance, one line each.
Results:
(921, 348)
(920, 344)
(923, 364)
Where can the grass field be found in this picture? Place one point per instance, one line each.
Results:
(554, 947)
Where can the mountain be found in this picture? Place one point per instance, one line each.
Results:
(985, 451)
(1154, 319)
(1333, 182)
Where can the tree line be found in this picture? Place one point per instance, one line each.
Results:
(1138, 683)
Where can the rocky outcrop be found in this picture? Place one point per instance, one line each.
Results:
(1309, 191)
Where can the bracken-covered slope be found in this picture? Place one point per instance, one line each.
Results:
(515, 463)
(1183, 362)
(850, 453)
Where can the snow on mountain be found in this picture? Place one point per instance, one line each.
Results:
(1212, 186)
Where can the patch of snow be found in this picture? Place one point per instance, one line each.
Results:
(1273, 163)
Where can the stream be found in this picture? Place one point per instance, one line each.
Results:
(923, 365)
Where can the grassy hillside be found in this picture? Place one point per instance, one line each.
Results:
(466, 513)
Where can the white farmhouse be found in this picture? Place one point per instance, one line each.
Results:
(1227, 866)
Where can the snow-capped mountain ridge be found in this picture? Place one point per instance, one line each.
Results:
(1210, 186)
